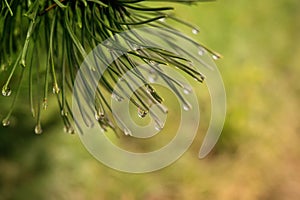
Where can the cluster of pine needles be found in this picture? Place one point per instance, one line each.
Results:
(44, 42)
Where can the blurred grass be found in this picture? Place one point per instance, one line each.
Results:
(257, 156)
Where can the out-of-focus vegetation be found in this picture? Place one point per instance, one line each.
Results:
(257, 156)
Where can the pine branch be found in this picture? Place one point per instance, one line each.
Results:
(48, 40)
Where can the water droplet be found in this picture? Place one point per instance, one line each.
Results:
(23, 63)
(63, 113)
(149, 89)
(202, 77)
(117, 97)
(215, 57)
(66, 129)
(99, 116)
(195, 31)
(152, 62)
(79, 24)
(201, 52)
(164, 109)
(158, 125)
(6, 122)
(187, 89)
(55, 89)
(45, 104)
(69, 129)
(38, 129)
(6, 91)
(3, 67)
(186, 106)
(127, 132)
(152, 76)
(142, 113)
(162, 19)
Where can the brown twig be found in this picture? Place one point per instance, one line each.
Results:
(49, 8)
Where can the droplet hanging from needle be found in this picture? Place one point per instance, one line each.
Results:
(38, 129)
(195, 31)
(6, 122)
(6, 91)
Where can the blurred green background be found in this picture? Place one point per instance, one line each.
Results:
(257, 156)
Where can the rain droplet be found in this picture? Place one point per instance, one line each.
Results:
(152, 62)
(3, 67)
(187, 90)
(23, 63)
(117, 97)
(149, 89)
(215, 57)
(162, 19)
(164, 109)
(127, 132)
(63, 113)
(201, 52)
(202, 77)
(79, 24)
(68, 129)
(142, 113)
(45, 104)
(6, 91)
(152, 76)
(55, 89)
(195, 31)
(186, 106)
(99, 116)
(6, 122)
(38, 129)
(158, 126)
